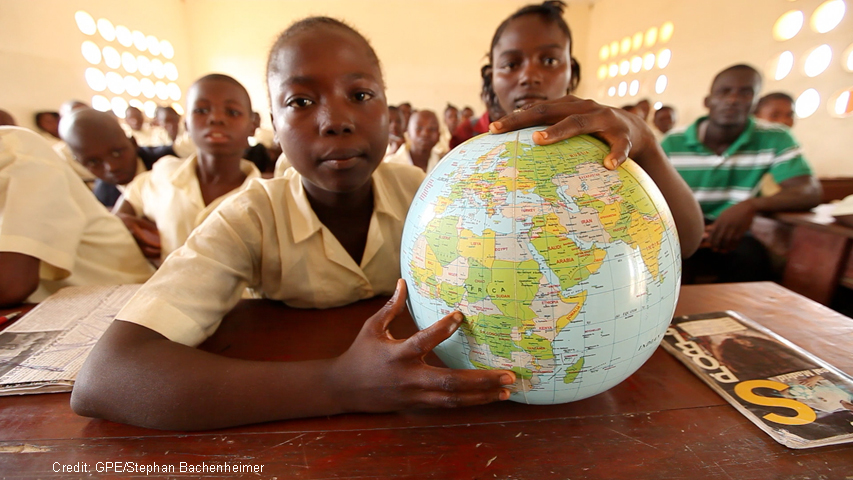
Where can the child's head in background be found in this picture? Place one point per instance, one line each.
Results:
(219, 116)
(100, 144)
(328, 104)
(776, 107)
(531, 57)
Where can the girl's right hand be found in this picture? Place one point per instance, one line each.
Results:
(626, 133)
(379, 373)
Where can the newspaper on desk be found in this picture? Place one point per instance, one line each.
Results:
(43, 351)
(795, 397)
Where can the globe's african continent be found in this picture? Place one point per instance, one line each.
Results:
(567, 273)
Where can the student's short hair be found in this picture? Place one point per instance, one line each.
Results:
(131, 107)
(39, 115)
(449, 106)
(312, 23)
(550, 11)
(665, 107)
(738, 67)
(221, 77)
(773, 96)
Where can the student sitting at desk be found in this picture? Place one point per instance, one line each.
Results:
(98, 142)
(327, 233)
(177, 194)
(723, 157)
(53, 232)
(423, 136)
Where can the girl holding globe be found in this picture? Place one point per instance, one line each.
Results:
(533, 76)
(329, 107)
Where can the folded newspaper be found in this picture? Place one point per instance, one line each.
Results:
(43, 351)
(798, 399)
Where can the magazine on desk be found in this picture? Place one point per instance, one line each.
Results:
(43, 351)
(797, 398)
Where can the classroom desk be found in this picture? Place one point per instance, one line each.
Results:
(817, 250)
(662, 422)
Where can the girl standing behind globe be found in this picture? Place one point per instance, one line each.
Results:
(533, 76)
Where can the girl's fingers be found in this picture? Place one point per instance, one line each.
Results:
(379, 322)
(425, 340)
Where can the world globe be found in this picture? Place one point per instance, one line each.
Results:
(567, 273)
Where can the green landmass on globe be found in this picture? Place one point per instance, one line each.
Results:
(567, 272)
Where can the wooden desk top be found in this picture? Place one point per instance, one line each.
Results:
(820, 219)
(662, 422)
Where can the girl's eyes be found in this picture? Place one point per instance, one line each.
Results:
(550, 61)
(363, 96)
(201, 111)
(299, 102)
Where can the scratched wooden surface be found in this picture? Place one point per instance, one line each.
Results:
(661, 423)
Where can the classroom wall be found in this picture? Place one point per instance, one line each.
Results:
(41, 65)
(710, 35)
(431, 50)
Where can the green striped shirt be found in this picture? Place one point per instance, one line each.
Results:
(720, 181)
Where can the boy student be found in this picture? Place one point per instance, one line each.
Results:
(177, 194)
(327, 233)
(170, 131)
(396, 129)
(48, 122)
(423, 134)
(53, 232)
(135, 126)
(664, 119)
(776, 107)
(98, 142)
(723, 157)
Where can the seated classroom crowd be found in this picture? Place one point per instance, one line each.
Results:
(194, 218)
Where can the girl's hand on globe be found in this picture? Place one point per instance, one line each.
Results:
(569, 116)
(380, 373)
(628, 136)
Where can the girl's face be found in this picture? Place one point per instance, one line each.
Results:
(531, 63)
(329, 109)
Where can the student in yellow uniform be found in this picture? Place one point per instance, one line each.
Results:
(327, 233)
(100, 144)
(53, 231)
(419, 150)
(177, 194)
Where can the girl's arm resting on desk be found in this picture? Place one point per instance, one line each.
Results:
(136, 376)
(19, 277)
(628, 136)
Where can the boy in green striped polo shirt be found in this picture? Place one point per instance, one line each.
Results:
(722, 157)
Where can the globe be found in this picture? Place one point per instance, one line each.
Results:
(567, 273)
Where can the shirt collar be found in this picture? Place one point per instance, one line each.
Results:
(304, 221)
(691, 136)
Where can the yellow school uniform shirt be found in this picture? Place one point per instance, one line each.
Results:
(268, 238)
(170, 196)
(46, 212)
(64, 151)
(403, 156)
